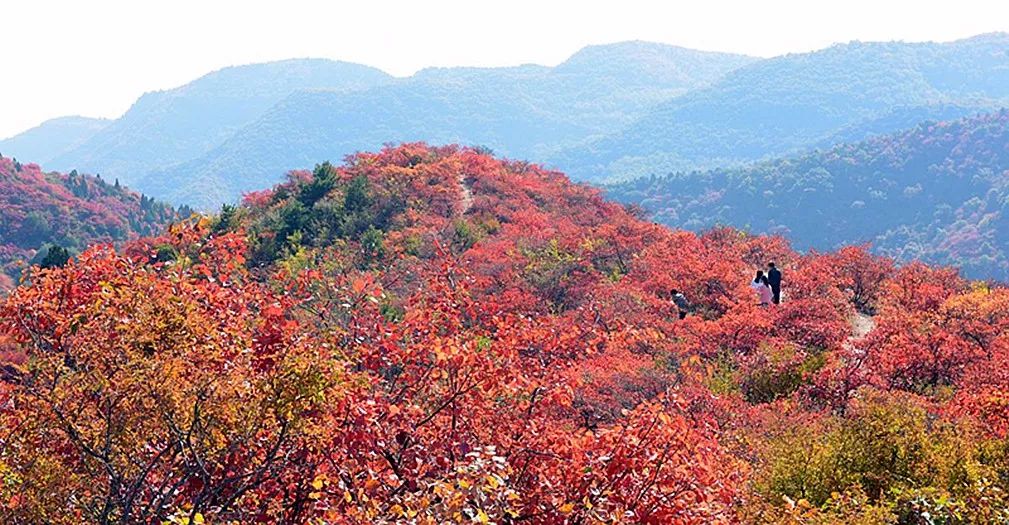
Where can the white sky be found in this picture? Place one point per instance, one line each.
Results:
(95, 57)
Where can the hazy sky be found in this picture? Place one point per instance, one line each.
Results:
(95, 57)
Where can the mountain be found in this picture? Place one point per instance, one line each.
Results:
(167, 127)
(52, 138)
(526, 111)
(788, 103)
(937, 192)
(900, 118)
(436, 335)
(72, 211)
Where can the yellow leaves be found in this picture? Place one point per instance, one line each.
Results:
(481, 516)
(347, 497)
(567, 508)
(399, 511)
(203, 222)
(184, 520)
(317, 484)
(492, 481)
(463, 484)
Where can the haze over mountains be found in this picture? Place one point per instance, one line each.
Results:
(522, 112)
(52, 138)
(788, 103)
(163, 128)
(240, 129)
(607, 113)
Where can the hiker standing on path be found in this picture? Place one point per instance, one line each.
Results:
(774, 280)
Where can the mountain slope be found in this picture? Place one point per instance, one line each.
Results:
(782, 104)
(73, 211)
(526, 111)
(52, 138)
(170, 126)
(938, 192)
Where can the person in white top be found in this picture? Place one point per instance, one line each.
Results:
(763, 289)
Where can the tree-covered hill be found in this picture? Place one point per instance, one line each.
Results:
(40, 210)
(784, 104)
(937, 192)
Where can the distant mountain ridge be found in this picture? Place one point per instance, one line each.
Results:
(524, 111)
(937, 192)
(609, 112)
(52, 138)
(166, 127)
(786, 104)
(196, 144)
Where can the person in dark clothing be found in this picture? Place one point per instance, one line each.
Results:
(774, 280)
(680, 300)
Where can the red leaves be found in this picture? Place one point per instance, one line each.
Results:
(525, 364)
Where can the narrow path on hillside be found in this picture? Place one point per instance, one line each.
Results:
(467, 194)
(861, 325)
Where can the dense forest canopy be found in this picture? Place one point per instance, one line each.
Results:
(434, 335)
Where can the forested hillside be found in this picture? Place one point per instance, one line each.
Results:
(71, 211)
(937, 192)
(434, 335)
(788, 103)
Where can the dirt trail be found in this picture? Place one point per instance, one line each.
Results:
(467, 194)
(861, 325)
